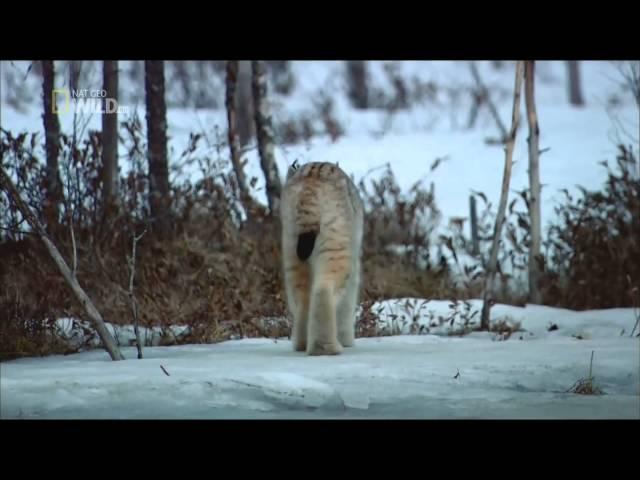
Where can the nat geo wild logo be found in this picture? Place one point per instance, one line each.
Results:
(84, 101)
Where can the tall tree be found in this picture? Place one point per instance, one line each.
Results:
(574, 83)
(157, 146)
(234, 142)
(506, 178)
(75, 70)
(358, 83)
(534, 184)
(110, 133)
(264, 130)
(54, 193)
(244, 105)
(281, 76)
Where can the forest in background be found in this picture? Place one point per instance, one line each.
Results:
(205, 252)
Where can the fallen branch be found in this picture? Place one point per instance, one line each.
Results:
(94, 315)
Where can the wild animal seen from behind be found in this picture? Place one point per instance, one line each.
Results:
(322, 223)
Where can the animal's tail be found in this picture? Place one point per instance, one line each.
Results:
(306, 242)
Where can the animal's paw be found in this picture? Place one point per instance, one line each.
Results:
(299, 344)
(346, 339)
(319, 348)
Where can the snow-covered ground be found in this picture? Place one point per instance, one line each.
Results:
(479, 375)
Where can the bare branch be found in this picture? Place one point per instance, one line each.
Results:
(484, 92)
(374, 169)
(75, 251)
(132, 299)
(15, 229)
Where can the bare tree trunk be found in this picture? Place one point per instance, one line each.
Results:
(506, 178)
(244, 103)
(478, 100)
(133, 303)
(534, 185)
(234, 142)
(180, 67)
(54, 194)
(575, 83)
(631, 74)
(475, 244)
(75, 69)
(110, 135)
(157, 145)
(94, 315)
(281, 76)
(264, 129)
(357, 81)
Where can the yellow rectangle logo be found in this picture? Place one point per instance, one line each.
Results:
(66, 106)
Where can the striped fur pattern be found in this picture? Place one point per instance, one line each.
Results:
(322, 223)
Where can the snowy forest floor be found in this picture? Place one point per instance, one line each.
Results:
(528, 375)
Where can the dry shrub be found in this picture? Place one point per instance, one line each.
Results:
(222, 277)
(367, 321)
(586, 386)
(296, 130)
(19, 153)
(594, 248)
(26, 314)
(217, 274)
(319, 119)
(504, 328)
(591, 253)
(398, 230)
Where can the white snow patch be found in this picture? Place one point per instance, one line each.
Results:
(404, 376)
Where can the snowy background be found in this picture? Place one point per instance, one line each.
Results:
(412, 139)
(411, 376)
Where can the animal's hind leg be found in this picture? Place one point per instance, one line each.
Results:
(346, 313)
(298, 288)
(346, 321)
(322, 335)
(329, 281)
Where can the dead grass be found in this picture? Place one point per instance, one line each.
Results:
(217, 275)
(222, 277)
(586, 386)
